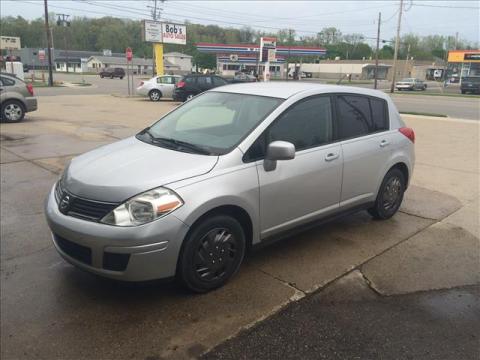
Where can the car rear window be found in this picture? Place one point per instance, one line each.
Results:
(7, 82)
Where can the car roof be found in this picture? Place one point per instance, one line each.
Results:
(286, 89)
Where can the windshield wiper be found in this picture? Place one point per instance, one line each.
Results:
(173, 143)
(178, 143)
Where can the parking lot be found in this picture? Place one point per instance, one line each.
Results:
(51, 310)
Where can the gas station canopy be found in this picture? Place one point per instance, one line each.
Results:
(253, 49)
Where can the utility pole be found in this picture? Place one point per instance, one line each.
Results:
(456, 40)
(406, 62)
(49, 44)
(63, 21)
(376, 53)
(397, 42)
(290, 31)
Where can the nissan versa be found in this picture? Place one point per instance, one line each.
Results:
(234, 167)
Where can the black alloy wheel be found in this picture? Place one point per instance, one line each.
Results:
(390, 195)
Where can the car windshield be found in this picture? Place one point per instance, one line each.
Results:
(212, 123)
(408, 80)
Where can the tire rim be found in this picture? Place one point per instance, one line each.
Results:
(392, 193)
(13, 112)
(189, 97)
(155, 96)
(216, 255)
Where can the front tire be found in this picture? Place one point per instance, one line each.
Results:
(12, 111)
(212, 253)
(390, 195)
(155, 95)
(189, 97)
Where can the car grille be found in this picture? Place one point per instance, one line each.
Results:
(82, 208)
(78, 252)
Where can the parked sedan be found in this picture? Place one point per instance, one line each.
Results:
(158, 87)
(242, 77)
(232, 168)
(16, 98)
(410, 84)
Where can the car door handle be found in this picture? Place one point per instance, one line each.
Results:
(331, 156)
(384, 143)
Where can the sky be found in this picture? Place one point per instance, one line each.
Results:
(306, 17)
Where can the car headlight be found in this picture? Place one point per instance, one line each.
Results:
(143, 208)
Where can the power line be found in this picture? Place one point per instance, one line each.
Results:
(447, 6)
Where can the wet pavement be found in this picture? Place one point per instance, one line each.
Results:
(51, 310)
(348, 320)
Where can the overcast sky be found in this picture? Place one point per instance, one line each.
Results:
(306, 17)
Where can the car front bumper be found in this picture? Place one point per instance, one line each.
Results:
(139, 253)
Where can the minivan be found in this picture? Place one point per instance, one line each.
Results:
(229, 170)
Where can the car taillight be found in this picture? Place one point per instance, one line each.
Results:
(30, 89)
(180, 84)
(408, 132)
(141, 83)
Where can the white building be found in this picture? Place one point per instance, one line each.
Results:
(137, 65)
(182, 61)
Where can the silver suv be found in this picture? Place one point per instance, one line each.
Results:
(226, 171)
(16, 98)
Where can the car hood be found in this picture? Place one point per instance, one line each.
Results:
(116, 172)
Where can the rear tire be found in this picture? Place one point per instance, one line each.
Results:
(211, 254)
(12, 111)
(155, 95)
(464, 92)
(390, 195)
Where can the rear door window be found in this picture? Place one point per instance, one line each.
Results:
(360, 115)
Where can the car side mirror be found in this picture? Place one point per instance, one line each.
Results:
(278, 150)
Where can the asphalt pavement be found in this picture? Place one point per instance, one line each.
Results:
(348, 321)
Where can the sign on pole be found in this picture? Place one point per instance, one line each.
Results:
(268, 46)
(10, 43)
(129, 54)
(152, 31)
(174, 33)
(41, 55)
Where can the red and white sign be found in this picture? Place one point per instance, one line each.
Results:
(41, 55)
(129, 54)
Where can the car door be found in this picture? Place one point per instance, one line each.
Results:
(363, 129)
(308, 186)
(165, 85)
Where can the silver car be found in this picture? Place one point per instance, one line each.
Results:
(410, 84)
(231, 169)
(16, 98)
(158, 87)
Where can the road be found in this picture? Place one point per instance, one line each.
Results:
(457, 107)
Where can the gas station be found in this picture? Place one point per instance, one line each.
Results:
(266, 59)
